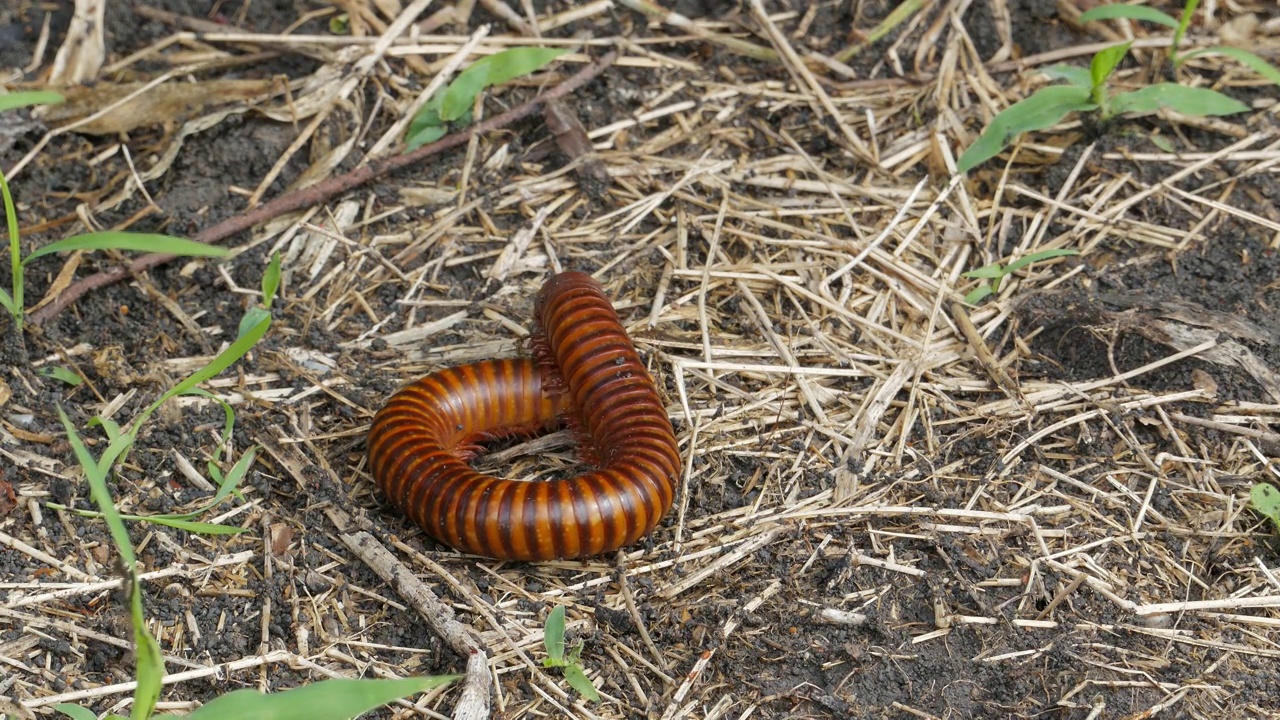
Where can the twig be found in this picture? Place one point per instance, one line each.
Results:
(474, 702)
(320, 192)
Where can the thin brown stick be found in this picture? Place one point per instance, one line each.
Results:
(320, 192)
(473, 704)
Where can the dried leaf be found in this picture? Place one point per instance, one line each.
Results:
(169, 102)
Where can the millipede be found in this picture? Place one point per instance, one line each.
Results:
(585, 373)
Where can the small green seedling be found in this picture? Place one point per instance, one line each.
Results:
(1089, 91)
(570, 664)
(1146, 14)
(326, 700)
(254, 324)
(1266, 500)
(149, 659)
(110, 240)
(66, 375)
(453, 103)
(995, 272)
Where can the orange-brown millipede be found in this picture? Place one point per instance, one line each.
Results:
(586, 371)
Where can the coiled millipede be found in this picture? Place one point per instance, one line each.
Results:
(585, 371)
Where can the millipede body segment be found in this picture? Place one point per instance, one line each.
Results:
(586, 371)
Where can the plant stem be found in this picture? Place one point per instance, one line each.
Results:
(1188, 11)
(15, 253)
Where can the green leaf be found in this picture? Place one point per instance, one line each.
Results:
(228, 429)
(988, 272)
(340, 24)
(977, 294)
(14, 303)
(225, 359)
(180, 521)
(27, 98)
(553, 634)
(1044, 109)
(1266, 500)
(1129, 12)
(1104, 63)
(1188, 12)
(271, 280)
(96, 475)
(1077, 76)
(326, 700)
(142, 242)
(1186, 100)
(1253, 62)
(580, 682)
(232, 479)
(202, 528)
(1035, 257)
(252, 318)
(489, 71)
(425, 136)
(109, 426)
(75, 712)
(57, 372)
(1162, 143)
(149, 660)
(118, 446)
(428, 116)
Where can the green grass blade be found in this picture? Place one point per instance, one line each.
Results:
(225, 359)
(96, 475)
(553, 634)
(228, 428)
(75, 712)
(109, 426)
(1074, 75)
(1199, 102)
(899, 15)
(201, 528)
(1129, 12)
(271, 280)
(27, 98)
(977, 294)
(181, 521)
(1244, 57)
(118, 446)
(1104, 63)
(141, 242)
(233, 477)
(6, 300)
(150, 662)
(57, 372)
(326, 700)
(15, 303)
(987, 272)
(1044, 109)
(253, 317)
(1188, 12)
(1035, 257)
